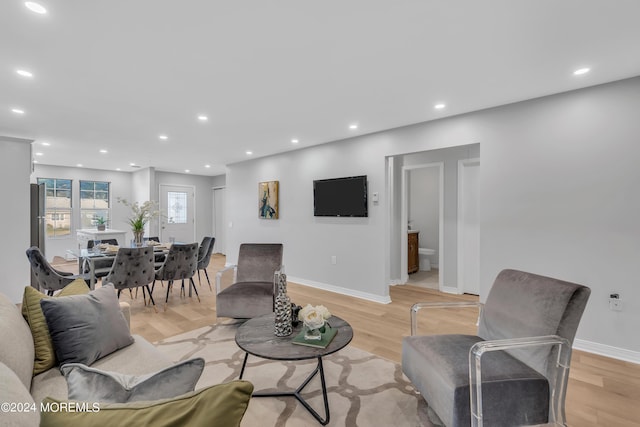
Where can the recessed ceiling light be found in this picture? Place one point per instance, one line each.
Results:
(35, 7)
(353, 126)
(294, 141)
(249, 153)
(35, 161)
(103, 151)
(207, 166)
(439, 106)
(39, 154)
(79, 165)
(17, 111)
(45, 143)
(118, 169)
(203, 118)
(24, 73)
(163, 137)
(187, 171)
(132, 164)
(581, 71)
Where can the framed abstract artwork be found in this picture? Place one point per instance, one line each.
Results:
(268, 200)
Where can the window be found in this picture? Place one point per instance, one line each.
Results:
(57, 206)
(177, 207)
(94, 203)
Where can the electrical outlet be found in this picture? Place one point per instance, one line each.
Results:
(334, 260)
(615, 303)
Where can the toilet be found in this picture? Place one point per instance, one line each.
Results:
(425, 261)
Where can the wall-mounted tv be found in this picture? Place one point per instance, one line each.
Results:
(340, 197)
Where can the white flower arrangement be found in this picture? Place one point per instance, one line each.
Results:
(314, 317)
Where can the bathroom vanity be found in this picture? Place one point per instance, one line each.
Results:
(412, 253)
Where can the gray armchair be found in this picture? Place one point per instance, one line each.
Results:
(253, 290)
(515, 371)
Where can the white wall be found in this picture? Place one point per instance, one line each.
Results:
(139, 186)
(120, 186)
(558, 189)
(15, 167)
(310, 242)
(143, 190)
(204, 197)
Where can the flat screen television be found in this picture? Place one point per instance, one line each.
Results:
(340, 197)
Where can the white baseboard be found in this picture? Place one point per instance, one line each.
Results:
(607, 350)
(395, 282)
(450, 290)
(340, 290)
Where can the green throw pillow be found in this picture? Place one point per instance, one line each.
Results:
(218, 405)
(45, 356)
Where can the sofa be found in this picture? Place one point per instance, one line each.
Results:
(21, 392)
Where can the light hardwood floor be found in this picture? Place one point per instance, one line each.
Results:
(602, 391)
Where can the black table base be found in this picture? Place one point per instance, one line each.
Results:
(296, 393)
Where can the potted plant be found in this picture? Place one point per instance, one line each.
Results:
(140, 216)
(101, 223)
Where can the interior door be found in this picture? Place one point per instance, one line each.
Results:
(177, 222)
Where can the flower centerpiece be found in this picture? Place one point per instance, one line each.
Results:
(141, 214)
(313, 319)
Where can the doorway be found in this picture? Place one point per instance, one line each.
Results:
(177, 205)
(469, 226)
(423, 216)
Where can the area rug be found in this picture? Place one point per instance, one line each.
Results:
(364, 390)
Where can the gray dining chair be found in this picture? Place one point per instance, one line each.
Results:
(133, 268)
(101, 267)
(204, 257)
(50, 279)
(252, 292)
(181, 263)
(515, 370)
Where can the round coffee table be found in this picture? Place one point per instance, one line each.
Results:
(256, 337)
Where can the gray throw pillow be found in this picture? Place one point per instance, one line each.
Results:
(93, 385)
(85, 328)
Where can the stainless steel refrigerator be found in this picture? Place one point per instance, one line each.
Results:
(37, 221)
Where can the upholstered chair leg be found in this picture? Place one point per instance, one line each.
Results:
(199, 281)
(119, 292)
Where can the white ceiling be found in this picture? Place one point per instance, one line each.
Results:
(115, 74)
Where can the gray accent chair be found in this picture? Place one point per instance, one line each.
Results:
(181, 263)
(102, 267)
(252, 292)
(515, 371)
(50, 279)
(133, 268)
(204, 257)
